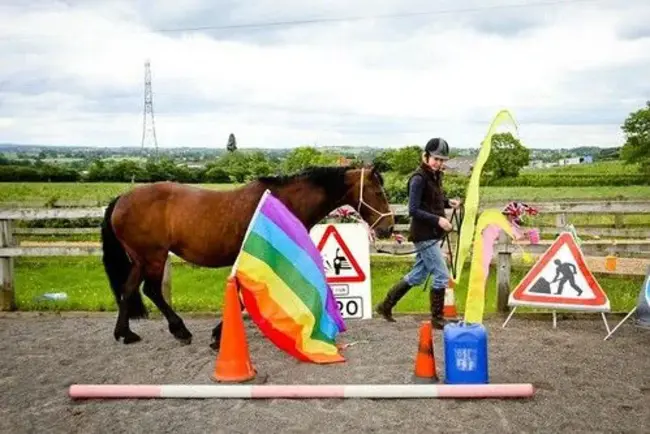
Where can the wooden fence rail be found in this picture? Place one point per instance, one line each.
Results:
(561, 211)
(585, 231)
(504, 249)
(622, 248)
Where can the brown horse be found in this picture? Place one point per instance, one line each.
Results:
(207, 227)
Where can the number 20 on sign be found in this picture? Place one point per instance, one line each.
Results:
(350, 307)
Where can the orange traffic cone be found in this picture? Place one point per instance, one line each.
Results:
(233, 364)
(425, 361)
(449, 310)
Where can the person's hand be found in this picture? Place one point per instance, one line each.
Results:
(455, 203)
(444, 223)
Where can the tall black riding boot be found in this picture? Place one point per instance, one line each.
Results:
(394, 295)
(436, 305)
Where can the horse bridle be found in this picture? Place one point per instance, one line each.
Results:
(362, 202)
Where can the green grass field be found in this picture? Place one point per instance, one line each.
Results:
(201, 290)
(547, 194)
(615, 167)
(100, 193)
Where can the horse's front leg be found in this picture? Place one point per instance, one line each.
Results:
(215, 344)
(216, 331)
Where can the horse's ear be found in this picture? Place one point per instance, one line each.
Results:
(380, 166)
(375, 170)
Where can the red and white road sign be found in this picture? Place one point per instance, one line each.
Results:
(345, 251)
(560, 279)
(340, 264)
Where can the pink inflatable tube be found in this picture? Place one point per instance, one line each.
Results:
(268, 391)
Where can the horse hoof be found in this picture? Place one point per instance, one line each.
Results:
(185, 341)
(181, 333)
(183, 336)
(131, 338)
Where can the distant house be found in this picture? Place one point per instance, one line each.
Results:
(536, 164)
(576, 160)
(541, 164)
(459, 166)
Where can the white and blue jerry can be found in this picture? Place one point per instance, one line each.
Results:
(466, 353)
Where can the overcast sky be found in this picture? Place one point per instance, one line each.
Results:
(72, 72)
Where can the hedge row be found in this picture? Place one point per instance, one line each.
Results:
(572, 180)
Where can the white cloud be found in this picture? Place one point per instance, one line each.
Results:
(72, 73)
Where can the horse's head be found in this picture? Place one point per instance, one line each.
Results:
(370, 201)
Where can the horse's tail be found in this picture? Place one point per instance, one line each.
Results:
(118, 266)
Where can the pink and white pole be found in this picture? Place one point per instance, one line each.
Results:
(267, 391)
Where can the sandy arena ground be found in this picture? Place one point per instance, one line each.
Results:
(583, 384)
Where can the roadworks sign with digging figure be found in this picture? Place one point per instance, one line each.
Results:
(560, 279)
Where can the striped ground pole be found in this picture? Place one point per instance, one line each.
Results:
(269, 391)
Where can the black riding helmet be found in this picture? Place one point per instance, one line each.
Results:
(437, 147)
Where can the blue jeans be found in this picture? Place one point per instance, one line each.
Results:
(429, 260)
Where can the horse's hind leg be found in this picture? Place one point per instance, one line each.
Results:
(153, 290)
(131, 287)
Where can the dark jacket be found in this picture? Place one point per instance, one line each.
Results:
(427, 203)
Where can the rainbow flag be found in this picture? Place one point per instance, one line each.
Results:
(283, 285)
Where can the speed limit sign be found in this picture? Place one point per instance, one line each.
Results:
(345, 250)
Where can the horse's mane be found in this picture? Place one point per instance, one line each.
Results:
(330, 178)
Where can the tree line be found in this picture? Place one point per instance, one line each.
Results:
(507, 157)
(232, 167)
(240, 166)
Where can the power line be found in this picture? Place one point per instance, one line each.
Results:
(368, 17)
(330, 20)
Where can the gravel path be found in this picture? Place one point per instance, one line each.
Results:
(583, 384)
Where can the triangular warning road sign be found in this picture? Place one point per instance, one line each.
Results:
(338, 258)
(560, 279)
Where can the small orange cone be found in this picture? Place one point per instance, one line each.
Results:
(610, 263)
(233, 364)
(449, 310)
(425, 361)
